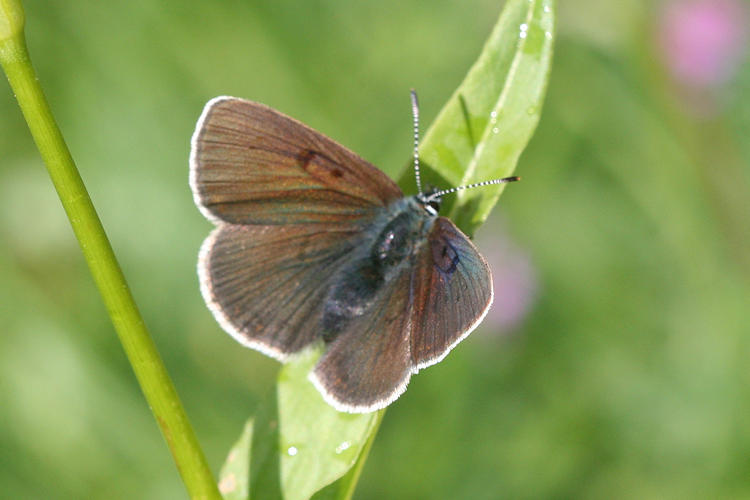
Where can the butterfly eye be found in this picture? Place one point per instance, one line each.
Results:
(434, 206)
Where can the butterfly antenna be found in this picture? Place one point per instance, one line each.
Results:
(415, 115)
(439, 194)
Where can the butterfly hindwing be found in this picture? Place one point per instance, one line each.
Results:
(251, 164)
(367, 365)
(266, 284)
(452, 293)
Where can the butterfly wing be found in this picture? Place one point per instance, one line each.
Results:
(250, 164)
(452, 293)
(417, 318)
(266, 284)
(367, 366)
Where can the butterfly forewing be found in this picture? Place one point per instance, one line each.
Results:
(266, 284)
(452, 293)
(251, 164)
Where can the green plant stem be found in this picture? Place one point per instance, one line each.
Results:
(135, 338)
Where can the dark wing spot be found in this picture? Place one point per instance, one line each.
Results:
(305, 157)
(320, 169)
(444, 256)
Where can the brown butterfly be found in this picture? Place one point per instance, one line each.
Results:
(314, 244)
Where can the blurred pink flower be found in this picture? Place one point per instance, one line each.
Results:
(703, 41)
(513, 276)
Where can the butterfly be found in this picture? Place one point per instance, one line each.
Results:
(314, 244)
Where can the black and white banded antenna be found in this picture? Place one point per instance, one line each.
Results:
(415, 115)
(439, 194)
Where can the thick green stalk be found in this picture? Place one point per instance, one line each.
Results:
(135, 338)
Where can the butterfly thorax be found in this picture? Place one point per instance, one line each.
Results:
(393, 240)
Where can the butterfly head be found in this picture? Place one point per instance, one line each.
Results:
(429, 202)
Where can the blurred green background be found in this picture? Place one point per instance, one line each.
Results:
(615, 363)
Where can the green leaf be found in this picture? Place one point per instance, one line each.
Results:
(298, 445)
(482, 130)
(233, 478)
(318, 444)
